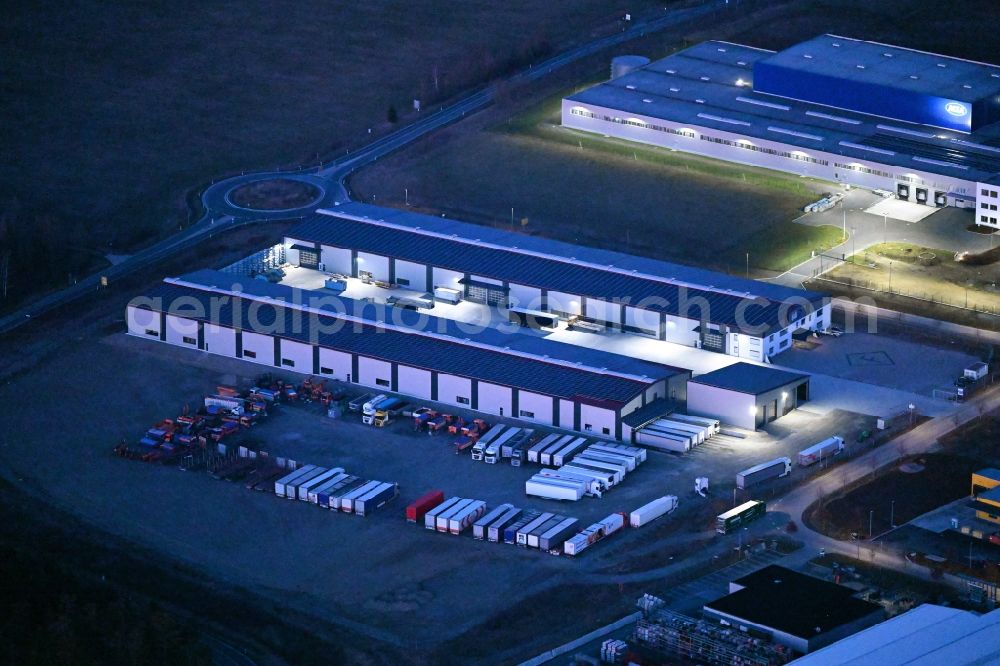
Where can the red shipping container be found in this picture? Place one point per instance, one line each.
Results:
(415, 512)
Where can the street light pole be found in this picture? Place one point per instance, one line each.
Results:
(892, 514)
(885, 229)
(890, 277)
(871, 515)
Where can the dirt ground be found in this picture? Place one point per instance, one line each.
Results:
(944, 478)
(926, 273)
(380, 577)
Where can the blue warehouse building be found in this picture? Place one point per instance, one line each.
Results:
(920, 125)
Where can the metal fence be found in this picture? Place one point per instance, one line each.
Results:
(883, 288)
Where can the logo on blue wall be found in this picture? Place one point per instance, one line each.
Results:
(956, 109)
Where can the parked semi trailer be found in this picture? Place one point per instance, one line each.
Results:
(555, 489)
(712, 424)
(739, 516)
(430, 516)
(626, 463)
(376, 499)
(482, 523)
(562, 455)
(491, 454)
(279, 485)
(545, 457)
(599, 530)
(312, 496)
(662, 440)
(619, 469)
(521, 536)
(650, 512)
(593, 483)
(772, 469)
(495, 530)
(634, 459)
(817, 452)
(461, 520)
(420, 506)
(510, 532)
(347, 500)
(697, 432)
(554, 538)
(541, 445)
(358, 403)
(441, 521)
(292, 487)
(330, 498)
(531, 538)
(479, 448)
(317, 481)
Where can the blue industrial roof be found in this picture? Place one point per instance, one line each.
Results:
(748, 378)
(543, 263)
(710, 85)
(891, 66)
(453, 356)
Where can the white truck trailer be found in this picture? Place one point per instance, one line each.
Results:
(317, 481)
(771, 469)
(330, 499)
(479, 448)
(461, 520)
(616, 469)
(560, 457)
(531, 540)
(636, 455)
(313, 495)
(376, 499)
(556, 536)
(521, 536)
(599, 530)
(594, 482)
(698, 432)
(712, 424)
(627, 463)
(555, 488)
(495, 530)
(292, 487)
(441, 522)
(491, 454)
(542, 444)
(347, 501)
(826, 449)
(430, 518)
(480, 527)
(650, 512)
(545, 457)
(662, 440)
(279, 485)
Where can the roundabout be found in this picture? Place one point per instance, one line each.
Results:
(275, 194)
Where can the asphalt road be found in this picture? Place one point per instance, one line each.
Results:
(222, 215)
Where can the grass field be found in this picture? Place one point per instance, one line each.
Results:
(115, 113)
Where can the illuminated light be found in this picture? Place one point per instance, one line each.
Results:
(740, 82)
(956, 109)
(671, 324)
(359, 260)
(784, 395)
(753, 410)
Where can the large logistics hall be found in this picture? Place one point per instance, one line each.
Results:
(919, 125)
(425, 306)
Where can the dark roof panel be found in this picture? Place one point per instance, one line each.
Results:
(749, 378)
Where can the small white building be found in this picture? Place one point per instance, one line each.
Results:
(747, 395)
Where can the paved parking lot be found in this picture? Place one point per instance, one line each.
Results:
(376, 570)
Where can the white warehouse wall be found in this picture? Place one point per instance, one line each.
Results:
(681, 330)
(292, 256)
(562, 302)
(335, 259)
(451, 387)
(644, 319)
(446, 278)
(525, 297)
(740, 155)
(261, 345)
(494, 399)
(339, 362)
(375, 264)
(370, 370)
(604, 311)
(414, 381)
(566, 414)
(738, 409)
(487, 280)
(139, 320)
(220, 340)
(539, 405)
(598, 419)
(415, 273)
(298, 353)
(179, 328)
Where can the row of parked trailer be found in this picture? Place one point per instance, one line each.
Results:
(591, 472)
(503, 442)
(333, 488)
(677, 432)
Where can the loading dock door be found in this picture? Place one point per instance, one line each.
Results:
(482, 292)
(309, 259)
(940, 199)
(903, 192)
(921, 195)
